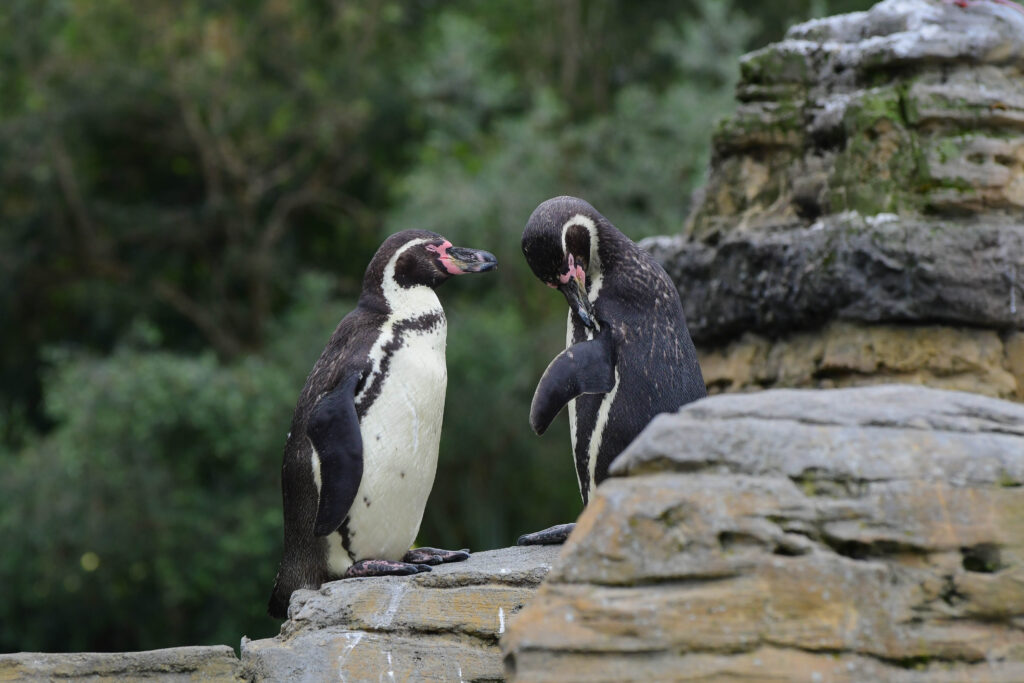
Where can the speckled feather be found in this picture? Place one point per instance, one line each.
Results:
(655, 359)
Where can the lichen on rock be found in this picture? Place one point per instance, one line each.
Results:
(872, 173)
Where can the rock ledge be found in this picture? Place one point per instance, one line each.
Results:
(442, 625)
(874, 533)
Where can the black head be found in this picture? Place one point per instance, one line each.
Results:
(560, 244)
(420, 257)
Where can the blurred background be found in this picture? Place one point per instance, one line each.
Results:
(189, 194)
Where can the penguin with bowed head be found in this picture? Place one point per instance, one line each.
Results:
(628, 353)
(361, 455)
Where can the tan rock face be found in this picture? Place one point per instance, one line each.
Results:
(848, 354)
(442, 625)
(846, 535)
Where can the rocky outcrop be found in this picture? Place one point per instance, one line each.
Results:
(437, 626)
(873, 173)
(214, 663)
(442, 625)
(873, 533)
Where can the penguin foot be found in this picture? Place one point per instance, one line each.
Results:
(435, 555)
(554, 535)
(384, 568)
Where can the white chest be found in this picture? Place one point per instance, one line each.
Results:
(401, 431)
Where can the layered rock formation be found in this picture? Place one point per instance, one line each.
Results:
(873, 174)
(873, 533)
(213, 663)
(439, 626)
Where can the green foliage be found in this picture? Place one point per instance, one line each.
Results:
(150, 515)
(177, 180)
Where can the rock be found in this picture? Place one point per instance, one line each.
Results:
(873, 173)
(871, 533)
(915, 104)
(213, 663)
(846, 354)
(873, 270)
(442, 625)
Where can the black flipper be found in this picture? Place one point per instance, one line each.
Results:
(333, 430)
(584, 368)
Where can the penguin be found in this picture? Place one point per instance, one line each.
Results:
(360, 459)
(628, 356)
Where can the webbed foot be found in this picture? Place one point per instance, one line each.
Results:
(384, 568)
(427, 555)
(551, 536)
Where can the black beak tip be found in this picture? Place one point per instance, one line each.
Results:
(488, 261)
(465, 260)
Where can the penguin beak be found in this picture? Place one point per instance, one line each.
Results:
(575, 292)
(460, 260)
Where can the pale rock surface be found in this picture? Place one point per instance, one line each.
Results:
(438, 626)
(212, 663)
(872, 533)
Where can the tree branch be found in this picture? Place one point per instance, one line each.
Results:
(226, 344)
(204, 143)
(84, 227)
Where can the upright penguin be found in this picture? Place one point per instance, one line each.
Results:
(361, 455)
(628, 353)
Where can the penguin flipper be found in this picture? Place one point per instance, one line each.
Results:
(584, 368)
(333, 430)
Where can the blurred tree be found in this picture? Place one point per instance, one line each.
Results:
(176, 180)
(156, 158)
(151, 514)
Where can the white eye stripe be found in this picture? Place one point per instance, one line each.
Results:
(594, 263)
(584, 222)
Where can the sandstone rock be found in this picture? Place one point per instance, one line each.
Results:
(442, 625)
(846, 354)
(214, 663)
(854, 534)
(1015, 359)
(872, 173)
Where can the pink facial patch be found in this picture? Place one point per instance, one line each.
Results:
(446, 260)
(574, 271)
